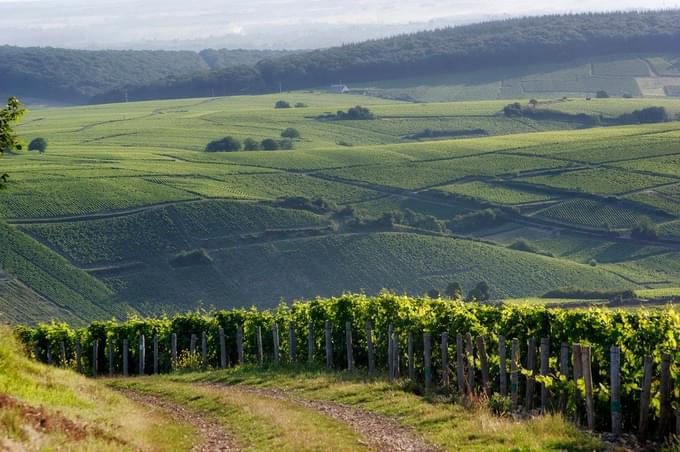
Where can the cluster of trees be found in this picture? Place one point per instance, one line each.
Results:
(231, 144)
(286, 104)
(534, 40)
(357, 113)
(9, 140)
(454, 291)
(645, 229)
(649, 115)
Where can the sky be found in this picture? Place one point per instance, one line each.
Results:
(292, 24)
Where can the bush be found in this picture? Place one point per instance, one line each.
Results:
(286, 144)
(290, 133)
(454, 291)
(282, 104)
(357, 113)
(269, 144)
(433, 293)
(251, 145)
(38, 144)
(481, 292)
(500, 405)
(226, 144)
(602, 94)
(301, 105)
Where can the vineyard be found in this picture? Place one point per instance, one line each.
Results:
(400, 337)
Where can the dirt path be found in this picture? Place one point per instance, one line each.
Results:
(215, 437)
(380, 432)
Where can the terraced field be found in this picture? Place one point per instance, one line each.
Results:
(125, 209)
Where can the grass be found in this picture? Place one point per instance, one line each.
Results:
(256, 422)
(61, 394)
(446, 425)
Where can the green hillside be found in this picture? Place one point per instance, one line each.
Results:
(125, 210)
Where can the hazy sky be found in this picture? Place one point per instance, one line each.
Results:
(195, 24)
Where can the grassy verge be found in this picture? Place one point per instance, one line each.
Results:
(447, 425)
(45, 408)
(257, 423)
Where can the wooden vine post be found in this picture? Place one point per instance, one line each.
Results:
(275, 341)
(445, 360)
(223, 348)
(310, 342)
(460, 366)
(110, 347)
(192, 345)
(260, 350)
(484, 363)
(411, 357)
(142, 354)
(292, 346)
(390, 352)
(427, 360)
(586, 361)
(371, 351)
(79, 366)
(126, 365)
(545, 356)
(645, 397)
(502, 373)
(350, 351)
(514, 374)
(62, 354)
(204, 350)
(577, 365)
(156, 356)
(95, 357)
(469, 366)
(239, 344)
(531, 367)
(615, 391)
(665, 389)
(329, 345)
(395, 354)
(173, 351)
(564, 370)
(49, 354)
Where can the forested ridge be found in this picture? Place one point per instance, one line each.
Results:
(547, 39)
(74, 76)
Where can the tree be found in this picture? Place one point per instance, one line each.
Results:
(38, 144)
(282, 104)
(9, 141)
(454, 291)
(290, 133)
(481, 292)
(602, 94)
(226, 144)
(533, 103)
(433, 293)
(269, 144)
(251, 145)
(286, 144)
(645, 230)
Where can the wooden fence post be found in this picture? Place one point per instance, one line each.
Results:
(50, 361)
(79, 367)
(192, 344)
(239, 344)
(460, 366)
(469, 365)
(514, 374)
(645, 397)
(577, 366)
(615, 391)
(445, 360)
(564, 370)
(665, 389)
(310, 342)
(531, 367)
(223, 349)
(350, 351)
(275, 341)
(545, 356)
(110, 347)
(371, 351)
(586, 361)
(62, 354)
(292, 347)
(142, 354)
(173, 351)
(329, 345)
(502, 374)
(427, 360)
(95, 357)
(484, 363)
(395, 354)
(156, 357)
(126, 367)
(260, 349)
(390, 352)
(204, 350)
(411, 357)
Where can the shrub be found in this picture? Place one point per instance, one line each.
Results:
(286, 144)
(454, 291)
(290, 133)
(481, 292)
(602, 94)
(250, 144)
(281, 104)
(301, 105)
(433, 293)
(38, 144)
(357, 113)
(500, 405)
(269, 144)
(226, 144)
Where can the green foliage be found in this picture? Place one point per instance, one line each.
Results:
(645, 230)
(454, 291)
(282, 104)
(602, 94)
(38, 144)
(290, 133)
(269, 144)
(481, 292)
(8, 139)
(249, 144)
(357, 113)
(226, 144)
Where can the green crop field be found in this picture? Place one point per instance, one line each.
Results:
(125, 210)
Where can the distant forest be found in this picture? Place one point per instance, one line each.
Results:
(75, 76)
(107, 76)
